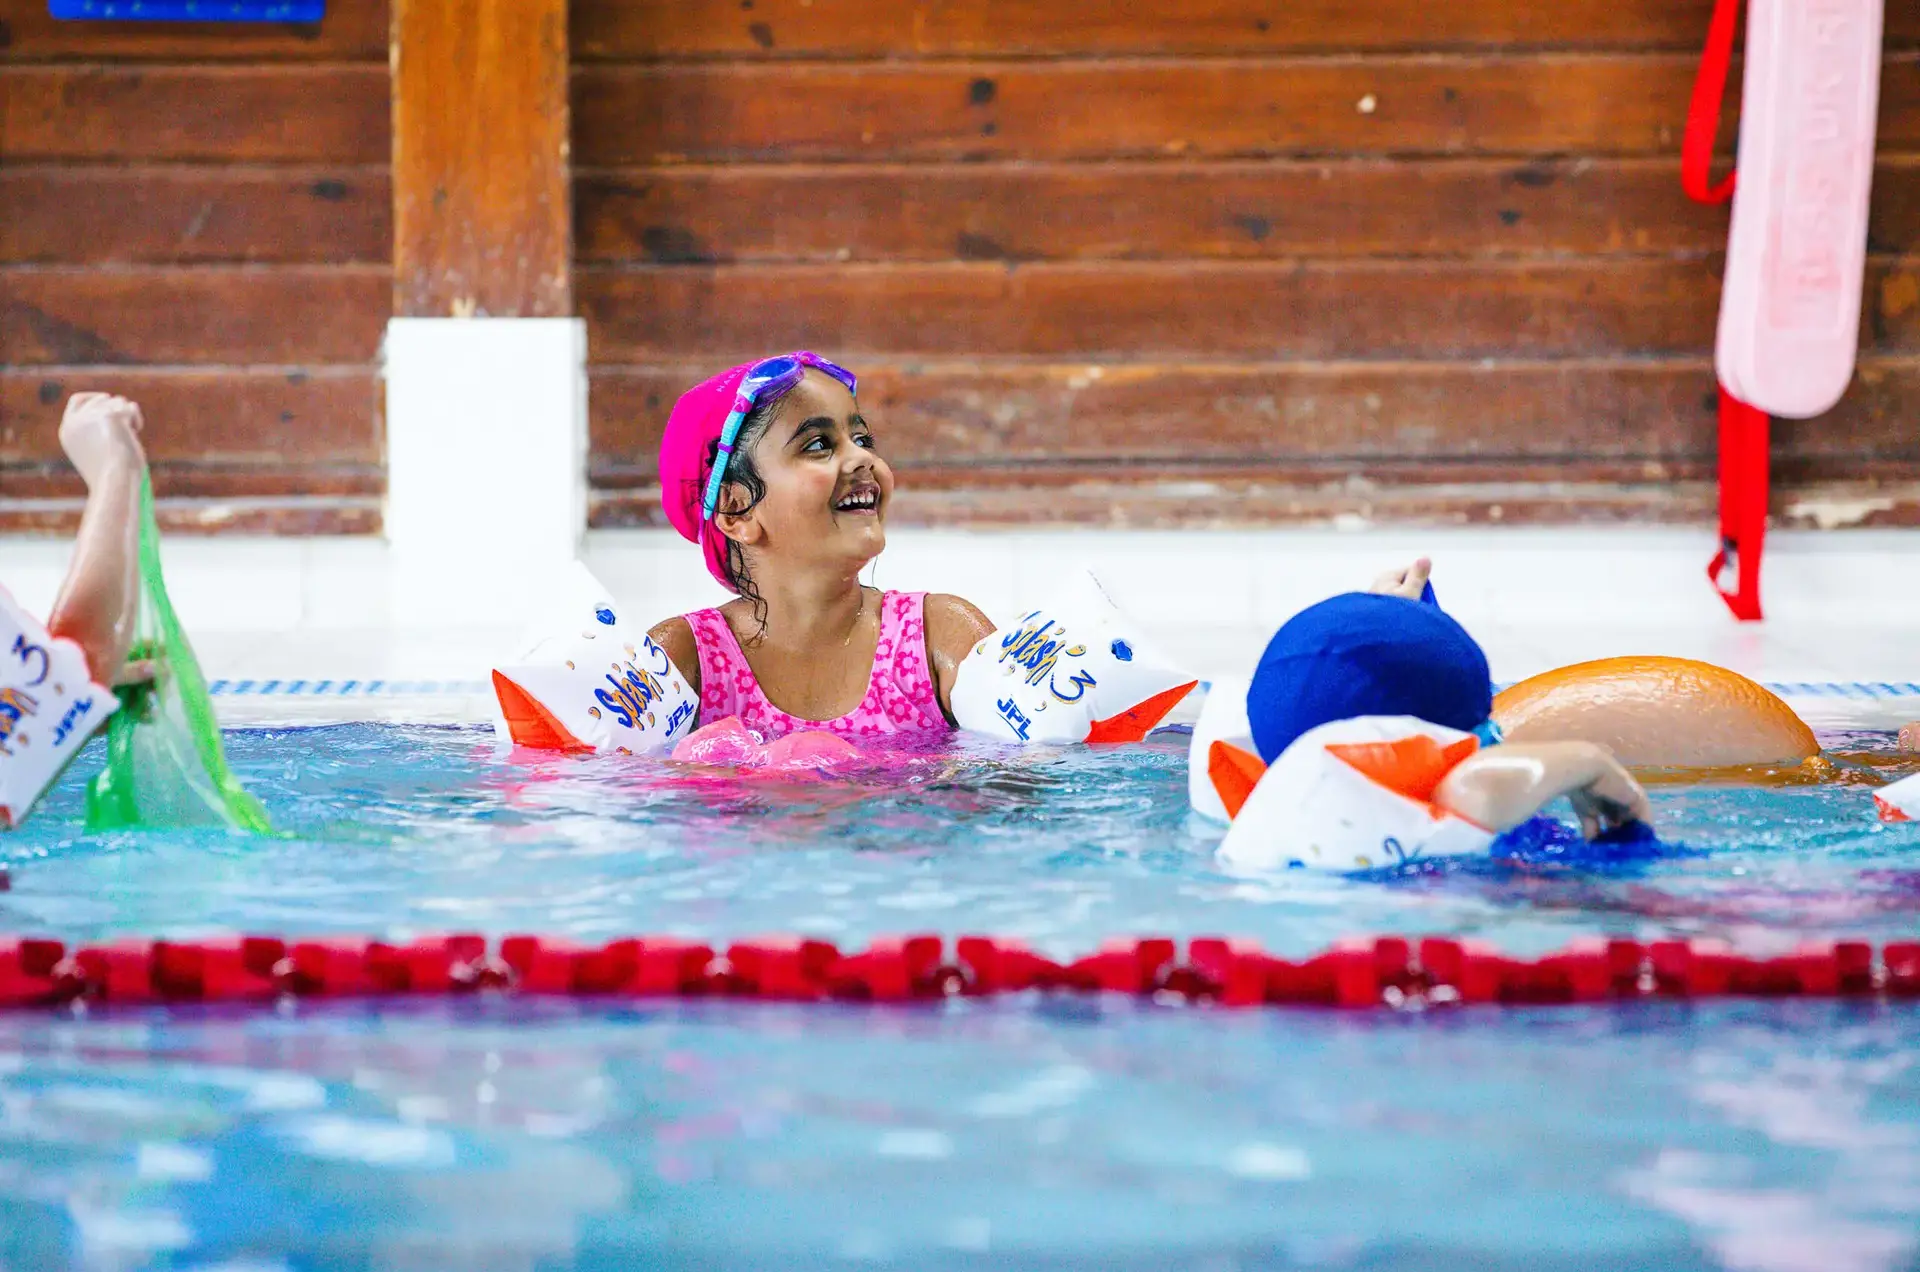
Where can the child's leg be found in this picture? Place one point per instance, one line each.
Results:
(101, 593)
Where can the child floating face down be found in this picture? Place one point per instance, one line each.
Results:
(773, 470)
(1371, 717)
(54, 678)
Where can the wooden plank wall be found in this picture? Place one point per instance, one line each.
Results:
(198, 216)
(1185, 260)
(1207, 260)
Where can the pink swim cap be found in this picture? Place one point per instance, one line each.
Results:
(693, 430)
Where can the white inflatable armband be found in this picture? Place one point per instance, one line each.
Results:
(49, 706)
(595, 685)
(1796, 256)
(1339, 799)
(1075, 672)
(1899, 801)
(1223, 718)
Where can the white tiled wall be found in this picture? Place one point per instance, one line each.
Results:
(1842, 606)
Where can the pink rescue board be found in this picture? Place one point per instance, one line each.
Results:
(1790, 310)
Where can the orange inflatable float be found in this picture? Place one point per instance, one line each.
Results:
(1657, 713)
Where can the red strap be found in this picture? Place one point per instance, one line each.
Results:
(1743, 504)
(1703, 114)
(1743, 429)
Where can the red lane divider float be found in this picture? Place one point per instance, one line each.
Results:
(1387, 971)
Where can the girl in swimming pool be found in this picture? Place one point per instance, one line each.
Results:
(774, 472)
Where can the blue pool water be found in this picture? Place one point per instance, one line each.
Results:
(1048, 1132)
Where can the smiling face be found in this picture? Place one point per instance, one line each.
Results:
(827, 489)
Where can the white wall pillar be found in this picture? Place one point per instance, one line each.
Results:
(486, 462)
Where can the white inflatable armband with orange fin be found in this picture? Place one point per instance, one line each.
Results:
(1223, 720)
(593, 684)
(1796, 256)
(1899, 801)
(49, 707)
(1356, 795)
(1077, 671)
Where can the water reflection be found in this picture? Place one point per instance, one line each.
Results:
(1834, 1108)
(1772, 1137)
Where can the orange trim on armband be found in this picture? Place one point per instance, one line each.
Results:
(529, 723)
(1412, 767)
(1133, 724)
(1234, 773)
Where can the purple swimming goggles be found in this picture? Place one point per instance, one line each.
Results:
(771, 375)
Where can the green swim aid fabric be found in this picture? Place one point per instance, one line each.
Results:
(165, 765)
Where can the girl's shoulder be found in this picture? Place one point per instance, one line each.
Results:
(675, 635)
(954, 624)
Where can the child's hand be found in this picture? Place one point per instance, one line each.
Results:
(1501, 786)
(1611, 799)
(99, 431)
(1910, 737)
(135, 671)
(1408, 583)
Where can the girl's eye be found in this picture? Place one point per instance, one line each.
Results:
(817, 444)
(864, 439)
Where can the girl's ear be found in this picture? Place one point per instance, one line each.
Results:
(741, 527)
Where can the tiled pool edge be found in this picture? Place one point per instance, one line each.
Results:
(294, 702)
(292, 688)
(337, 688)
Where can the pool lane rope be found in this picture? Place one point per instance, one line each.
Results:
(1390, 972)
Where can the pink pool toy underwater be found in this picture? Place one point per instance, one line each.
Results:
(729, 742)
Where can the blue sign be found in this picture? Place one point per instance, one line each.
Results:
(300, 11)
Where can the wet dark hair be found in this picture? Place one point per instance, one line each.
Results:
(742, 472)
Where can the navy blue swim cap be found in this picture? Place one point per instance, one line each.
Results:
(1360, 655)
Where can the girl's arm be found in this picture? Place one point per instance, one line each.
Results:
(100, 596)
(954, 627)
(1502, 786)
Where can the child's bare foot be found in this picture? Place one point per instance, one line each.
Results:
(100, 432)
(1910, 737)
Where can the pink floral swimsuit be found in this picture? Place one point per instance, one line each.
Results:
(901, 701)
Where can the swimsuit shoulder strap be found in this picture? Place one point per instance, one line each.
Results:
(903, 684)
(727, 683)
